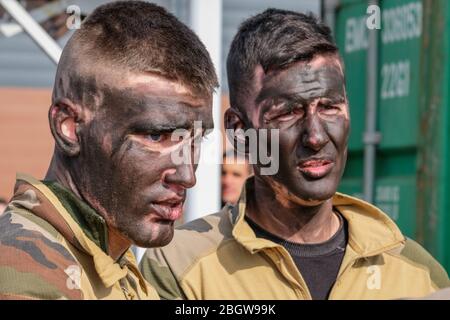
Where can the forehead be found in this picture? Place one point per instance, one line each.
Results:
(151, 85)
(151, 97)
(321, 76)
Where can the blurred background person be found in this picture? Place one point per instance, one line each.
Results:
(235, 170)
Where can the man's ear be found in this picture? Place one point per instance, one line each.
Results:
(235, 127)
(64, 118)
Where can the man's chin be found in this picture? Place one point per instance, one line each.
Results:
(310, 197)
(231, 199)
(158, 237)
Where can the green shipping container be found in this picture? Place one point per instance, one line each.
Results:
(412, 182)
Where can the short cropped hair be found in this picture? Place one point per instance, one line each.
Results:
(134, 36)
(274, 39)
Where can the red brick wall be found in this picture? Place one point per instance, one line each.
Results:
(26, 144)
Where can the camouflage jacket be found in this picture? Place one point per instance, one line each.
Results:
(220, 257)
(53, 246)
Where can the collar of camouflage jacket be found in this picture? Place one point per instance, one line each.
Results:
(370, 231)
(78, 223)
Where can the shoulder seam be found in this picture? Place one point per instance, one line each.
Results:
(417, 265)
(411, 262)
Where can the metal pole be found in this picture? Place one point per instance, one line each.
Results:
(204, 198)
(33, 29)
(371, 137)
(328, 9)
(39, 15)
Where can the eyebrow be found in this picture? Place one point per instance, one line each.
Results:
(190, 105)
(334, 99)
(144, 127)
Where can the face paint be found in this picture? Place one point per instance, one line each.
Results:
(167, 143)
(125, 170)
(307, 104)
(287, 198)
(321, 88)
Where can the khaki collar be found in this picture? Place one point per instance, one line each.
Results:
(92, 224)
(51, 209)
(370, 231)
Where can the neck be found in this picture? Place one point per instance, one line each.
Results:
(118, 244)
(294, 223)
(58, 171)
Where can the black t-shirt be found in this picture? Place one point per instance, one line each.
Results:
(318, 263)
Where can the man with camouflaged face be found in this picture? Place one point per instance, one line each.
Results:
(291, 235)
(129, 77)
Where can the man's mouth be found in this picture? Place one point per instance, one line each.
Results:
(168, 210)
(315, 168)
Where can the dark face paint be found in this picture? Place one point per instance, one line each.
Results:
(120, 170)
(307, 103)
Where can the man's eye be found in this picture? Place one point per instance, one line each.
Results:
(158, 137)
(286, 116)
(299, 112)
(154, 137)
(329, 110)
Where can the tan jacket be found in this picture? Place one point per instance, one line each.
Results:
(219, 257)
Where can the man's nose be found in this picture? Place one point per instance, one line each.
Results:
(314, 135)
(226, 179)
(180, 178)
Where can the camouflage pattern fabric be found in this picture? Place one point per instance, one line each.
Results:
(46, 252)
